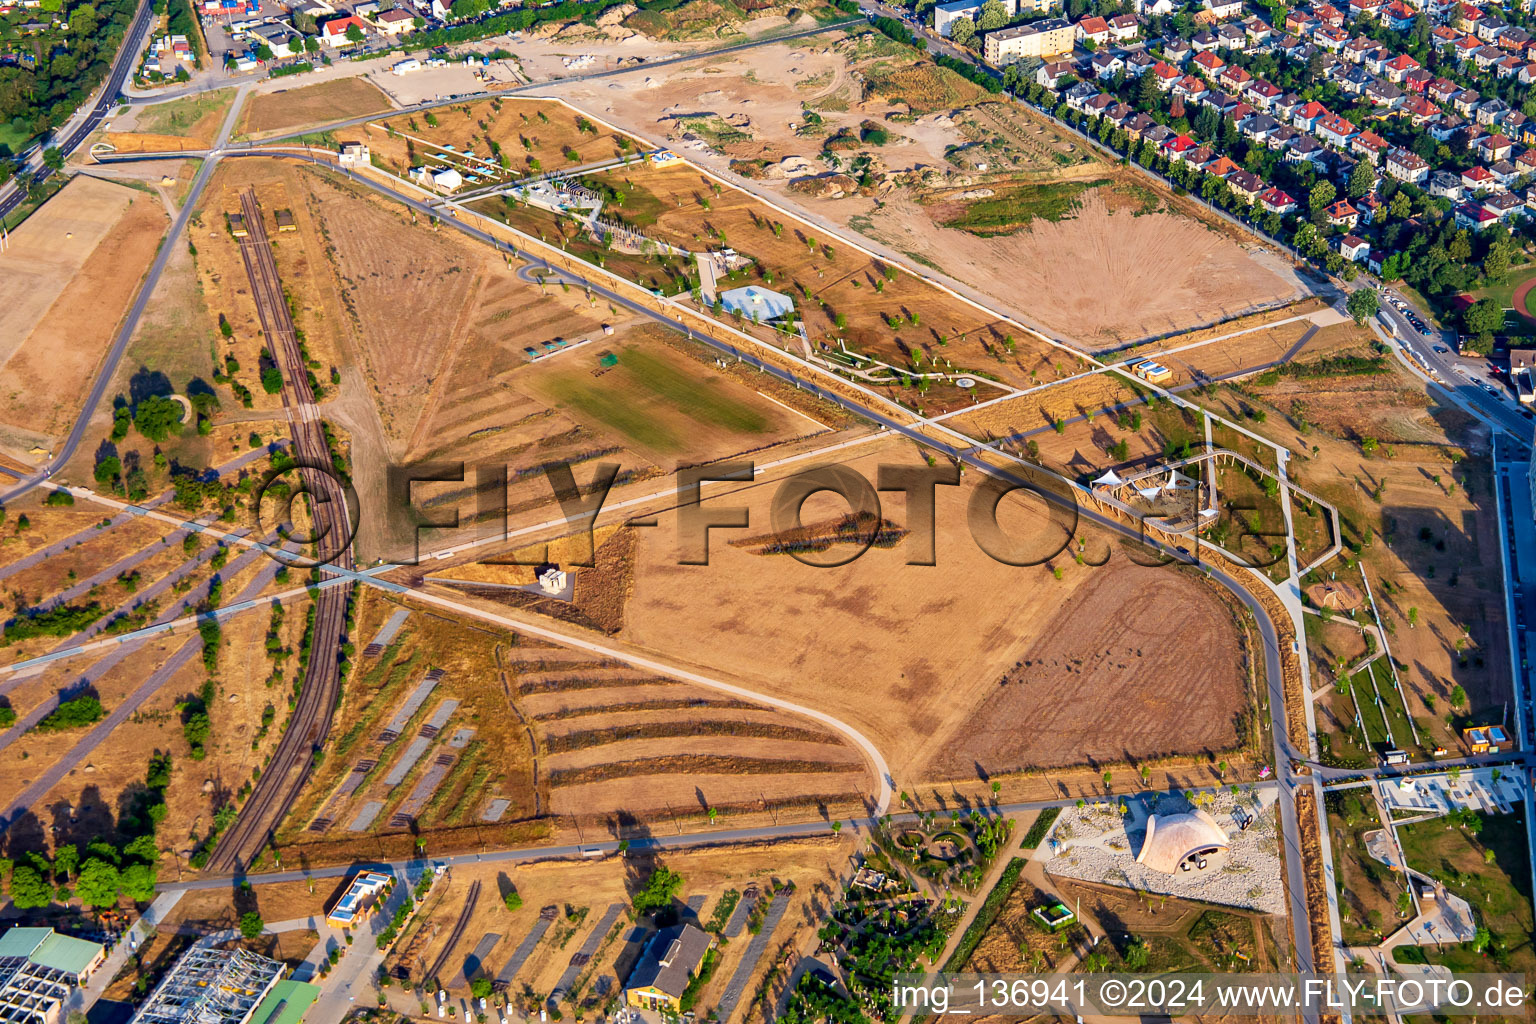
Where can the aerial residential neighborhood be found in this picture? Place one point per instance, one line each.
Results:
(657, 510)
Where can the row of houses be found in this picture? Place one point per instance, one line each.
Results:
(1307, 130)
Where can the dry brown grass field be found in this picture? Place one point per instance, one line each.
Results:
(1419, 510)
(526, 130)
(289, 109)
(1091, 396)
(186, 123)
(64, 290)
(786, 627)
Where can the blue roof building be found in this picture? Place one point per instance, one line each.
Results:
(758, 304)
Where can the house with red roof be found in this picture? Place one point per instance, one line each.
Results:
(1398, 16)
(334, 33)
(1309, 116)
(1342, 215)
(1277, 201)
(1369, 145)
(1095, 29)
(1208, 62)
(1398, 67)
(1336, 130)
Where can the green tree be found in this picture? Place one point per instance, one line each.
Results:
(272, 380)
(157, 418)
(354, 34)
(1458, 696)
(98, 884)
(66, 860)
(480, 988)
(1496, 262)
(1136, 955)
(53, 159)
(962, 31)
(993, 16)
(1361, 180)
(657, 892)
(251, 924)
(1362, 304)
(1323, 194)
(29, 889)
(513, 900)
(1483, 318)
(138, 882)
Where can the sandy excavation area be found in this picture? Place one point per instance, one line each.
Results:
(62, 292)
(1101, 277)
(1170, 271)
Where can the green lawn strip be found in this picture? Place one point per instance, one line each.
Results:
(661, 381)
(1016, 208)
(1365, 697)
(986, 915)
(1491, 872)
(1504, 292)
(1036, 834)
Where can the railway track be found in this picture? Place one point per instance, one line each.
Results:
(285, 775)
(441, 962)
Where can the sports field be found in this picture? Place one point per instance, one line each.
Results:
(659, 402)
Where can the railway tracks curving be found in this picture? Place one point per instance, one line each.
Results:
(285, 775)
(470, 899)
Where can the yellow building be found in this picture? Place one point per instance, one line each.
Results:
(1044, 39)
(670, 961)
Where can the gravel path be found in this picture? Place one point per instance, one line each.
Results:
(522, 952)
(192, 646)
(755, 950)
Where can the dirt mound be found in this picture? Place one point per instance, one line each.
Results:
(825, 186)
(144, 142)
(1334, 594)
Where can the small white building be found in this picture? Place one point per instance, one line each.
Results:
(553, 580)
(354, 154)
(447, 179)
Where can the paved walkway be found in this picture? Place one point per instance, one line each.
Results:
(749, 960)
(82, 999)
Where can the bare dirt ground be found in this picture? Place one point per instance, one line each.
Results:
(808, 624)
(178, 124)
(289, 109)
(578, 894)
(1170, 270)
(63, 290)
(1161, 271)
(1138, 623)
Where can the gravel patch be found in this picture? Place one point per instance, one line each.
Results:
(1099, 843)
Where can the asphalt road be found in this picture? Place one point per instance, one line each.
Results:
(601, 847)
(1499, 407)
(106, 101)
(130, 324)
